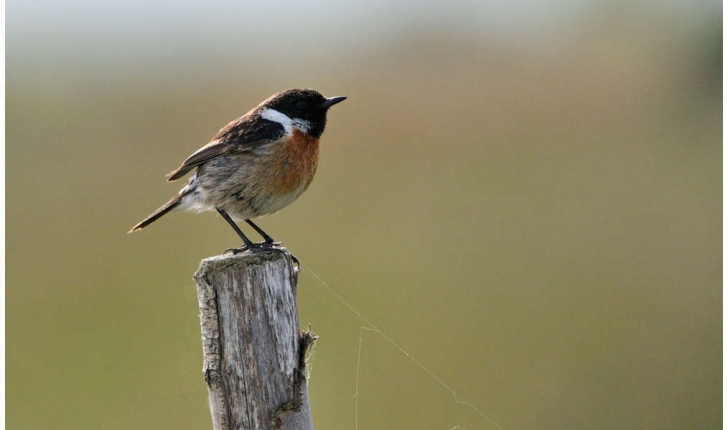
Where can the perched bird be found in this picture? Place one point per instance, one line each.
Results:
(255, 165)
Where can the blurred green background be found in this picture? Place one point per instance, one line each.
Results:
(525, 196)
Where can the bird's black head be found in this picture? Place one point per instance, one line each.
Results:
(303, 108)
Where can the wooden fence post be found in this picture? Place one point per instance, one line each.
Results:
(254, 352)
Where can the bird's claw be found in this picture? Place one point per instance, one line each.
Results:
(236, 251)
(254, 247)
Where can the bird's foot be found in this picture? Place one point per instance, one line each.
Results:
(254, 247)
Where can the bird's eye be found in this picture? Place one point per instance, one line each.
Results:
(303, 104)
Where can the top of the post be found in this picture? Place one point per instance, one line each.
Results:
(246, 259)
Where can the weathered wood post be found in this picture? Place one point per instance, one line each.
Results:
(254, 352)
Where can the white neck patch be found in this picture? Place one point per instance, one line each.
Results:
(287, 122)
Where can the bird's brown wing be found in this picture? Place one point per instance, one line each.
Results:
(212, 150)
(240, 135)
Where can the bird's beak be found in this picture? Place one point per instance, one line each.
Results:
(332, 101)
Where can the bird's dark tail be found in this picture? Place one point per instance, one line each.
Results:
(173, 203)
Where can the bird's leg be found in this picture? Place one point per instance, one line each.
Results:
(247, 243)
(268, 240)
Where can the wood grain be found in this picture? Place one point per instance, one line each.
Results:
(254, 352)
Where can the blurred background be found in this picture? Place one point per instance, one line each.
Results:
(524, 195)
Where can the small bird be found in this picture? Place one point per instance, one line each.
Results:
(256, 165)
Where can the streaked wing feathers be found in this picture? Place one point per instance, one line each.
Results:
(207, 153)
(240, 135)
